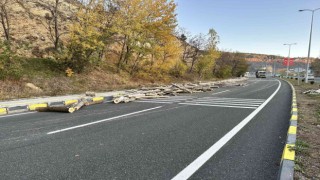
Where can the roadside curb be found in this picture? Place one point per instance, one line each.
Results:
(61, 101)
(33, 107)
(286, 171)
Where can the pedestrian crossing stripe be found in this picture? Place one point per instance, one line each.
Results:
(209, 101)
(168, 100)
(226, 102)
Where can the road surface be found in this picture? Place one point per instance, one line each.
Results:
(231, 133)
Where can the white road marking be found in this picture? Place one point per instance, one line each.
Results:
(231, 101)
(17, 114)
(213, 105)
(232, 98)
(220, 92)
(100, 121)
(227, 103)
(203, 158)
(161, 102)
(170, 99)
(167, 100)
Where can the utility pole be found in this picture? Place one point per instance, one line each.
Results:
(288, 60)
(311, 10)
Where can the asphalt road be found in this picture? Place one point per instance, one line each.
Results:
(231, 133)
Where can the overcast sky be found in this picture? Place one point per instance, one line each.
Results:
(255, 26)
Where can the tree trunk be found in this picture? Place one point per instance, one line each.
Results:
(5, 22)
(122, 53)
(135, 64)
(56, 29)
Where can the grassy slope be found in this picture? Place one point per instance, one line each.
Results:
(45, 74)
(308, 143)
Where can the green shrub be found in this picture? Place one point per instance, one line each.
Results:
(10, 68)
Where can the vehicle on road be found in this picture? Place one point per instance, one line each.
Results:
(277, 75)
(310, 78)
(260, 74)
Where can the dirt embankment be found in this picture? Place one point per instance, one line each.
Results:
(307, 163)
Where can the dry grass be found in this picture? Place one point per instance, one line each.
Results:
(58, 84)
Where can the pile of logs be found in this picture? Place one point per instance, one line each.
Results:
(68, 108)
(163, 91)
(312, 91)
(143, 93)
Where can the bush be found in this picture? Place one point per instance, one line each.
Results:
(10, 68)
(178, 70)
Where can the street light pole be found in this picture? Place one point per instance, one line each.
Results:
(307, 68)
(288, 60)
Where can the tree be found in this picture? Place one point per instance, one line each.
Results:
(5, 18)
(205, 49)
(239, 65)
(213, 39)
(198, 44)
(142, 25)
(85, 38)
(206, 63)
(315, 66)
(230, 64)
(184, 35)
(52, 20)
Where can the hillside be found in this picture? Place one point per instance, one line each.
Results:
(62, 46)
(30, 23)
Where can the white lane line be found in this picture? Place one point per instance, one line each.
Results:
(222, 100)
(17, 114)
(213, 98)
(220, 92)
(212, 105)
(166, 99)
(161, 102)
(203, 158)
(100, 121)
(226, 103)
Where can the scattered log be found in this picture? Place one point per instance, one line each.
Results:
(79, 105)
(66, 109)
(124, 99)
(91, 94)
(182, 88)
(69, 109)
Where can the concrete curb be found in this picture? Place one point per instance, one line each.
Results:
(286, 171)
(32, 107)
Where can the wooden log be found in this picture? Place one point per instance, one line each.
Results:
(182, 88)
(91, 94)
(66, 109)
(121, 99)
(93, 102)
